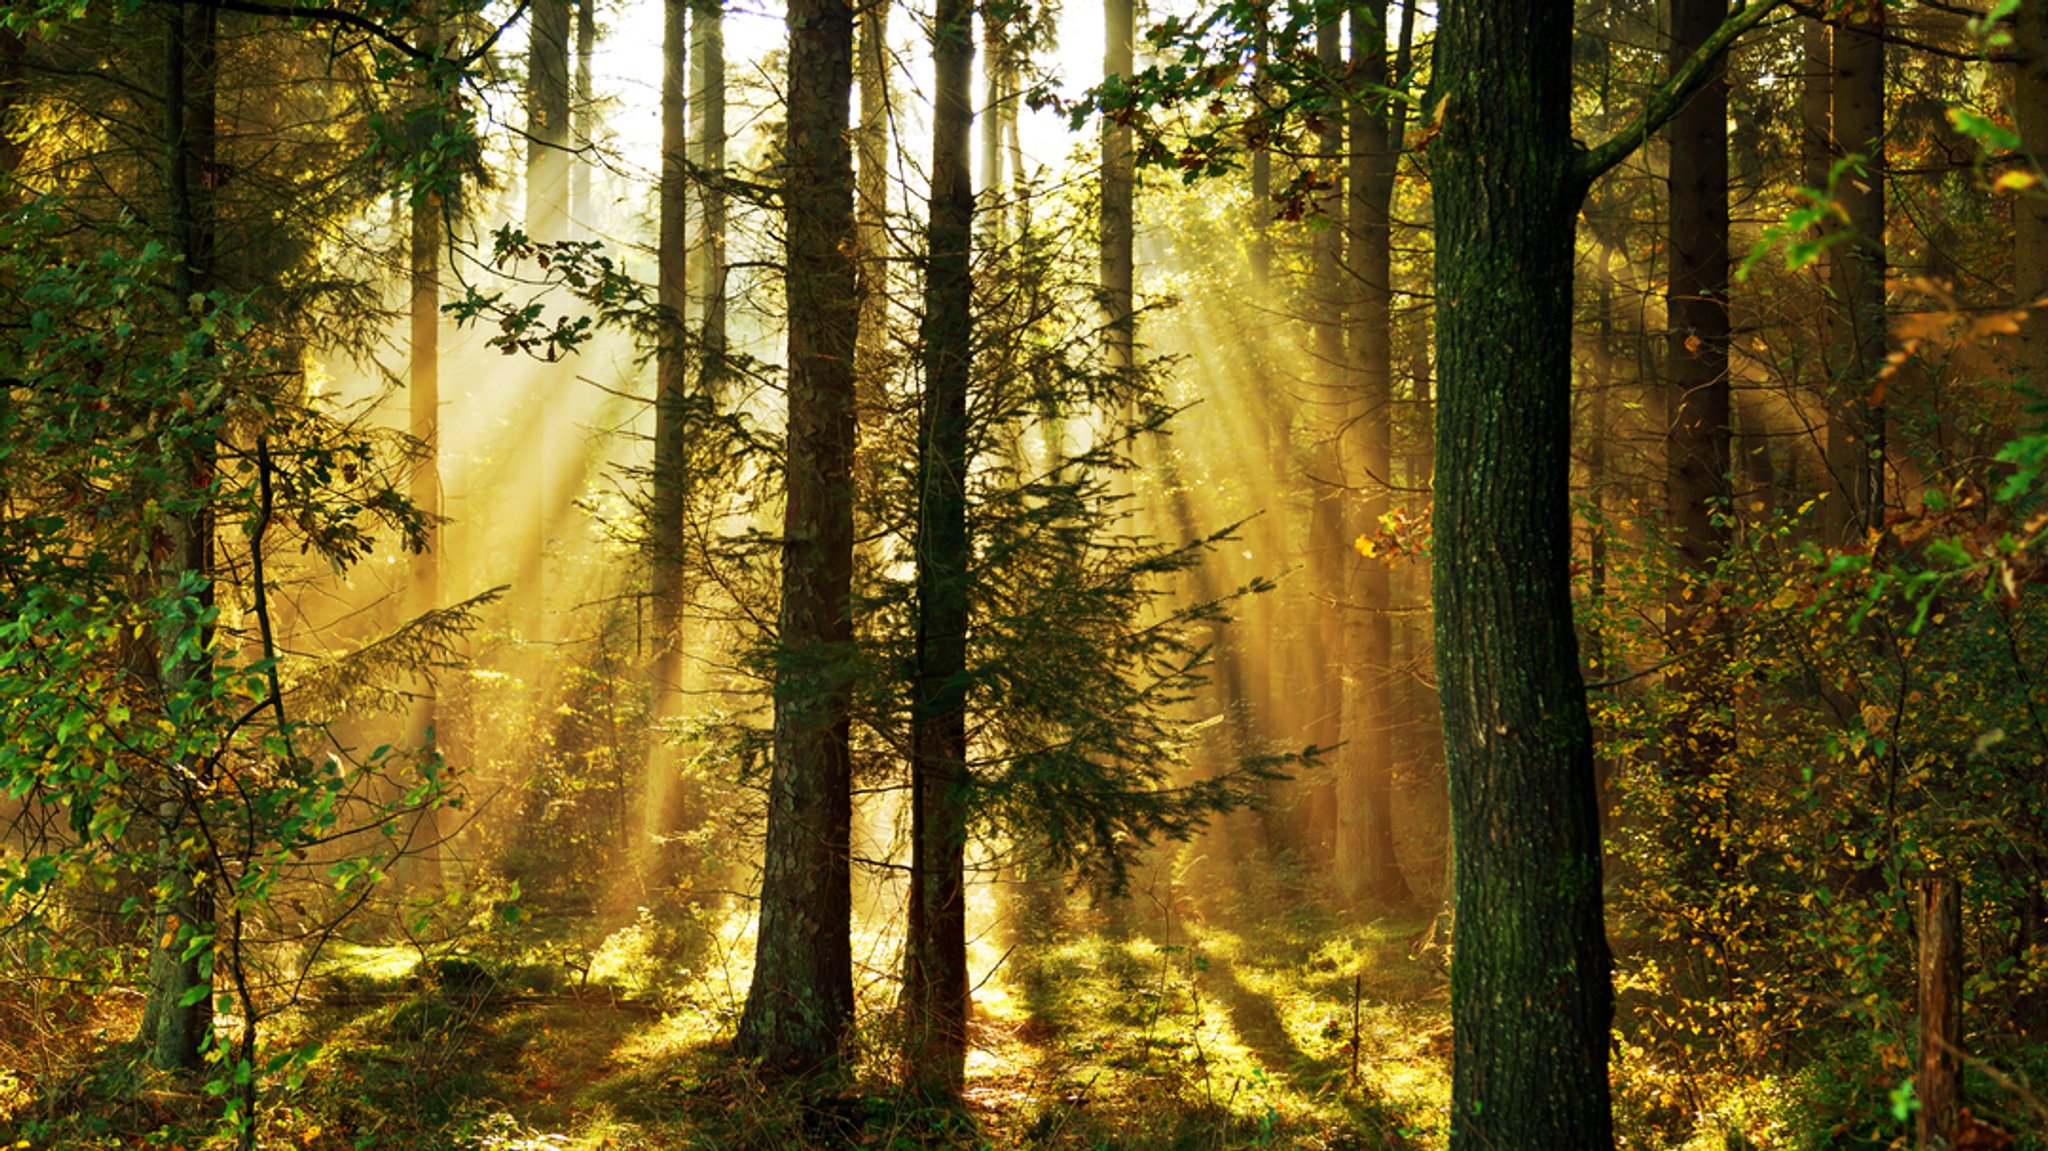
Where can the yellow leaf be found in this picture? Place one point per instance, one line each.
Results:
(2015, 180)
(1365, 546)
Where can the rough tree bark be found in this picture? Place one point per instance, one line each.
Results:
(935, 993)
(1330, 512)
(1531, 993)
(801, 1000)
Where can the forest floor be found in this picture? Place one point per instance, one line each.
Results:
(1149, 1030)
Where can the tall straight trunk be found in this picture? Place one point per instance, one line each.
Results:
(1365, 862)
(801, 1001)
(547, 219)
(424, 396)
(668, 498)
(996, 81)
(1816, 158)
(1329, 545)
(707, 48)
(1119, 194)
(1857, 451)
(872, 358)
(581, 208)
(1262, 161)
(2030, 212)
(935, 993)
(1696, 361)
(1531, 998)
(1697, 440)
(175, 1032)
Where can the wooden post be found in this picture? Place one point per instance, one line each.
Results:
(1941, 1010)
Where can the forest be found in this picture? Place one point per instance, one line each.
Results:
(1352, 575)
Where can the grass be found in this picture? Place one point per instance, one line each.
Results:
(1151, 1028)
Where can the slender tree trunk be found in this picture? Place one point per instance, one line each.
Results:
(174, 1031)
(801, 1001)
(1330, 515)
(1119, 194)
(935, 992)
(668, 498)
(547, 219)
(2030, 210)
(1859, 265)
(707, 29)
(581, 207)
(873, 358)
(1365, 862)
(996, 81)
(424, 396)
(1531, 999)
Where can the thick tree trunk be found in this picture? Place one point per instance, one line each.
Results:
(1857, 450)
(1531, 998)
(801, 1001)
(174, 1031)
(1119, 193)
(1365, 862)
(935, 992)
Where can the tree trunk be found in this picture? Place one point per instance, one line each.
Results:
(547, 190)
(801, 1001)
(1697, 438)
(1119, 193)
(668, 498)
(174, 1031)
(872, 357)
(581, 208)
(1365, 862)
(935, 994)
(707, 47)
(1329, 547)
(1856, 452)
(424, 396)
(1531, 998)
(2030, 210)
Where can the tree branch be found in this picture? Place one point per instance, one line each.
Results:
(1669, 97)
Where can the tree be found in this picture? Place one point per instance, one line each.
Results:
(1531, 997)
(1365, 861)
(2030, 212)
(1697, 436)
(177, 1016)
(935, 979)
(1119, 191)
(547, 221)
(666, 587)
(801, 1000)
(1856, 424)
